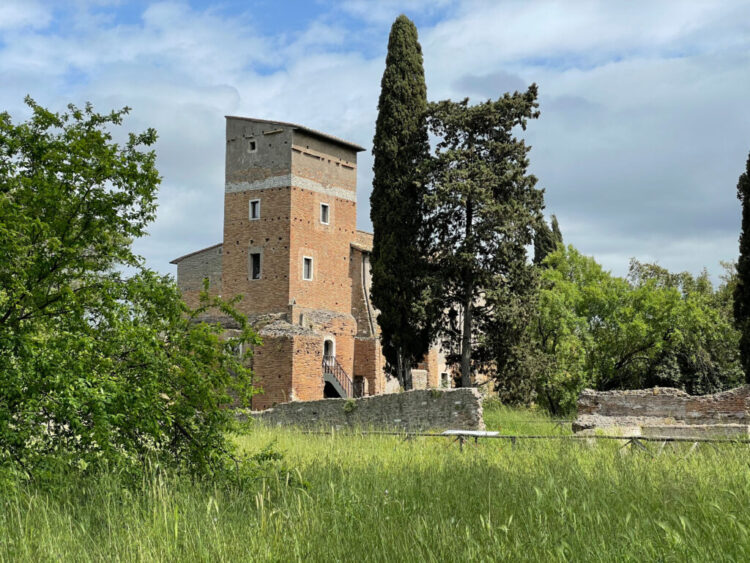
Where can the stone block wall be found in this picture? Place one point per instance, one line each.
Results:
(661, 406)
(459, 409)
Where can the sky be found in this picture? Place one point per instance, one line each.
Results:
(645, 106)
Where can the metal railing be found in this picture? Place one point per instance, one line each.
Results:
(331, 366)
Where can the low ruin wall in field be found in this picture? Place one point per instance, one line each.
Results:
(665, 411)
(431, 409)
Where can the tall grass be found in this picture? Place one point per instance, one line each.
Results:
(383, 498)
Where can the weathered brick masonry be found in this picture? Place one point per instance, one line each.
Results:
(291, 249)
(661, 407)
(459, 409)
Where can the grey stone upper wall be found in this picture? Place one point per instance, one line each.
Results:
(318, 144)
(192, 269)
(661, 406)
(272, 154)
(433, 409)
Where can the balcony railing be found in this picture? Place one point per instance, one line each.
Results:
(331, 366)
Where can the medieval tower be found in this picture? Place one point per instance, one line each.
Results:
(291, 249)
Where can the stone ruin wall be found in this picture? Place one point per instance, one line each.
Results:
(663, 408)
(432, 409)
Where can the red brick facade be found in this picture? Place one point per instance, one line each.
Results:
(290, 200)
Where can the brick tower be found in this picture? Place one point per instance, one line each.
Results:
(289, 219)
(291, 249)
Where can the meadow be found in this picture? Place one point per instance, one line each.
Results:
(384, 498)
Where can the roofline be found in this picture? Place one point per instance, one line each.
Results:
(361, 248)
(176, 260)
(338, 140)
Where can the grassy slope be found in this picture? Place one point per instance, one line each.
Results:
(382, 498)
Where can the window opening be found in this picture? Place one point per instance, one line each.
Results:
(324, 213)
(255, 265)
(307, 268)
(255, 209)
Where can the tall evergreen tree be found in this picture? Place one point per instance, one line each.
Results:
(742, 289)
(544, 242)
(556, 233)
(399, 286)
(483, 209)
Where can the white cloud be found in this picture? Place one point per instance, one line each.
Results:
(644, 125)
(18, 14)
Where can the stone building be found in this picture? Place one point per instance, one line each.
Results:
(291, 248)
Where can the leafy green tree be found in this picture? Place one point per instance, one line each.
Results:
(653, 328)
(98, 368)
(483, 207)
(400, 289)
(742, 289)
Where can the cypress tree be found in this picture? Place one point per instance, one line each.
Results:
(742, 289)
(400, 146)
(556, 233)
(544, 242)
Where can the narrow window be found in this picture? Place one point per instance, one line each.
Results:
(252, 146)
(307, 268)
(255, 265)
(324, 212)
(254, 209)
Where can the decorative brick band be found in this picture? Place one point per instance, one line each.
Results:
(287, 180)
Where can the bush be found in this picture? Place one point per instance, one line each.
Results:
(99, 369)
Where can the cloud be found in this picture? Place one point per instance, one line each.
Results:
(643, 132)
(19, 14)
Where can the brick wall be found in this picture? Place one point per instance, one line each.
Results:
(370, 363)
(272, 364)
(359, 272)
(268, 235)
(412, 410)
(328, 246)
(194, 268)
(661, 406)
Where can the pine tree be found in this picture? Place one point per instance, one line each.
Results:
(742, 289)
(399, 287)
(483, 208)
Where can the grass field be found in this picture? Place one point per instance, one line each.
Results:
(381, 498)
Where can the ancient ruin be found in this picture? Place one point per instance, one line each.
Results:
(664, 411)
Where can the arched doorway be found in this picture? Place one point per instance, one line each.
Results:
(329, 353)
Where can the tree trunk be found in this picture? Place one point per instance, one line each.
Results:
(404, 371)
(468, 301)
(466, 342)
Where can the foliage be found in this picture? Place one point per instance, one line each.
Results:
(420, 499)
(544, 242)
(98, 368)
(556, 233)
(742, 289)
(482, 209)
(400, 289)
(654, 328)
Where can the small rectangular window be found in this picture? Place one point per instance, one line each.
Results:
(252, 146)
(324, 212)
(255, 266)
(254, 209)
(307, 268)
